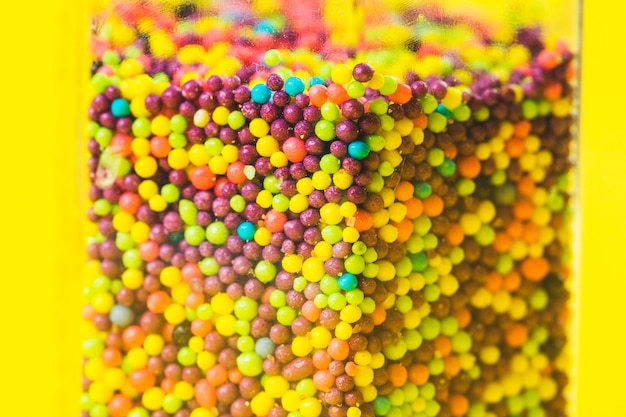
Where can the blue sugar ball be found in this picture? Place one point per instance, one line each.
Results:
(358, 149)
(121, 315)
(120, 107)
(264, 347)
(246, 230)
(260, 94)
(294, 86)
(347, 282)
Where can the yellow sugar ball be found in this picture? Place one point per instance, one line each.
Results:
(392, 156)
(94, 369)
(152, 399)
(535, 250)
(313, 269)
(140, 148)
(196, 344)
(388, 233)
(230, 153)
(511, 385)
(497, 145)
(486, 211)
(222, 304)
(404, 126)
(467, 361)
(138, 104)
(184, 390)
(132, 278)
(180, 292)
(531, 378)
(343, 330)
(341, 74)
(548, 389)
(298, 203)
(202, 412)
(470, 223)
(153, 344)
(157, 203)
(123, 221)
(481, 298)
(417, 281)
(331, 213)
(310, 407)
(501, 301)
(114, 378)
(412, 319)
(350, 234)
(417, 136)
(363, 357)
(397, 212)
(261, 404)
(490, 354)
(301, 346)
(160, 125)
(279, 159)
(386, 270)
(518, 308)
(501, 160)
(377, 361)
(174, 314)
(518, 250)
(137, 358)
(262, 236)
(388, 196)
(292, 263)
(380, 218)
(259, 127)
(147, 189)
(364, 376)
(198, 154)
(528, 161)
(99, 392)
(264, 198)
(350, 313)
(206, 360)
(453, 98)
(492, 393)
(354, 412)
(448, 284)
(266, 146)
(539, 362)
(220, 115)
(290, 400)
(483, 151)
(103, 303)
(276, 386)
(218, 165)
(140, 232)
(225, 325)
(519, 363)
(178, 158)
(305, 186)
(342, 179)
(321, 180)
(323, 250)
(170, 276)
(320, 337)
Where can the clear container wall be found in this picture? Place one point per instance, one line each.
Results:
(338, 208)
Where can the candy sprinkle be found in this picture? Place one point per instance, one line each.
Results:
(296, 218)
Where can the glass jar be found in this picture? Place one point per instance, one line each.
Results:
(340, 208)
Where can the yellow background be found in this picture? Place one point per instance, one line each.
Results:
(40, 249)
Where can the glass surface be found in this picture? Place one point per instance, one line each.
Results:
(330, 209)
